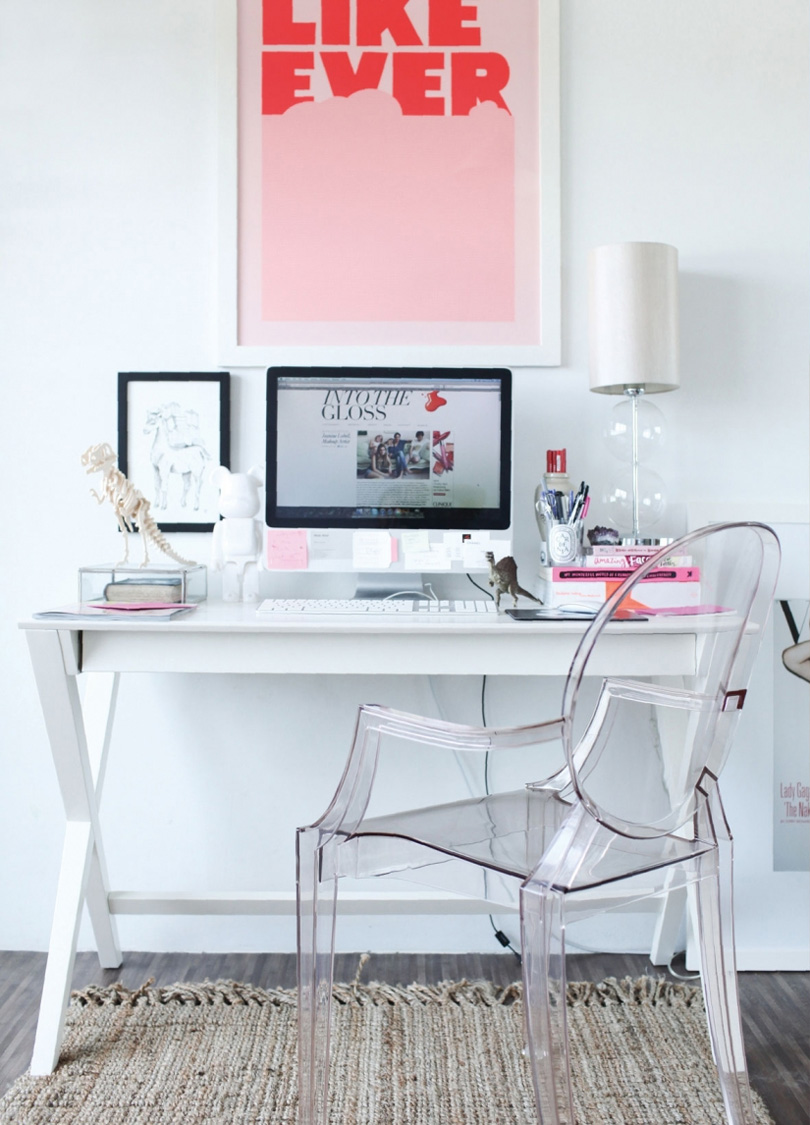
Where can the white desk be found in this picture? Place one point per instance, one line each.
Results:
(219, 638)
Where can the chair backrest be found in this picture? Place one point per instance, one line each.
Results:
(643, 751)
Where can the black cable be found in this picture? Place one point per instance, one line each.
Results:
(481, 588)
(499, 934)
(484, 724)
(504, 940)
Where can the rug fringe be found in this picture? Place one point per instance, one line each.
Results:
(642, 990)
(227, 992)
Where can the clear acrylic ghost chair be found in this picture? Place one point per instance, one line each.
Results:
(635, 809)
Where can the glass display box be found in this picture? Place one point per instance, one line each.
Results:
(165, 584)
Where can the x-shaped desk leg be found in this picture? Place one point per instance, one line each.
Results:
(80, 773)
(674, 735)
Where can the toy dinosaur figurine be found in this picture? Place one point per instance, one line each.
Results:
(130, 506)
(503, 577)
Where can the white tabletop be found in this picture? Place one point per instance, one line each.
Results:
(228, 637)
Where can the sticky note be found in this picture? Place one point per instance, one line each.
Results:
(435, 559)
(452, 544)
(472, 555)
(371, 549)
(413, 541)
(324, 543)
(286, 548)
(456, 541)
(500, 548)
(473, 552)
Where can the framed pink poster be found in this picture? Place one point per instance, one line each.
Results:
(389, 187)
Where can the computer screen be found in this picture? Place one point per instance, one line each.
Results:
(388, 448)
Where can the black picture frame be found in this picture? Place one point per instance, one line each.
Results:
(173, 430)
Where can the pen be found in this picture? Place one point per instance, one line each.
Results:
(547, 512)
(578, 504)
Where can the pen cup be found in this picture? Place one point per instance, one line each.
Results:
(560, 542)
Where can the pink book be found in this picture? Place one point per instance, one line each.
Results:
(602, 574)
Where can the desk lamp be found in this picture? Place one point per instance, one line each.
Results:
(633, 352)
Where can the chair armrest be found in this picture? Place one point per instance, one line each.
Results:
(641, 692)
(458, 736)
(351, 798)
(614, 689)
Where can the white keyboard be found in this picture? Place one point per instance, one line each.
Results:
(371, 607)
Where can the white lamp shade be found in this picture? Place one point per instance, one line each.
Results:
(633, 317)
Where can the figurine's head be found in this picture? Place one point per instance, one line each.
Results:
(238, 492)
(99, 458)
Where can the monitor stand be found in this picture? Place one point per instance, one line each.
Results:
(380, 584)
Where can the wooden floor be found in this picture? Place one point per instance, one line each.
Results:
(776, 1006)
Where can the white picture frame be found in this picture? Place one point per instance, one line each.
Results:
(546, 351)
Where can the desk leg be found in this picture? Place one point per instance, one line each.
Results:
(674, 733)
(99, 711)
(668, 926)
(82, 870)
(62, 948)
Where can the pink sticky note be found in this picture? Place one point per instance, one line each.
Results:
(287, 548)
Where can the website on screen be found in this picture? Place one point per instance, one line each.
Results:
(388, 449)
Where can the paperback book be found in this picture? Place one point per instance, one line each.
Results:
(608, 574)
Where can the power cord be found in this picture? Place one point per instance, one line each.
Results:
(499, 934)
(504, 940)
(677, 975)
(481, 588)
(430, 595)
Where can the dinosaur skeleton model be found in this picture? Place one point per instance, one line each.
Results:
(130, 506)
(503, 577)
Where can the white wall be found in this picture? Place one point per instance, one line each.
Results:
(682, 122)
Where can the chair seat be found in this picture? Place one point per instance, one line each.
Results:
(510, 833)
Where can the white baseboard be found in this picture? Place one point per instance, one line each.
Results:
(773, 960)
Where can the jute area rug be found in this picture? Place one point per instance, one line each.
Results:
(444, 1055)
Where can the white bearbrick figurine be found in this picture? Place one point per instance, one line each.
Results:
(237, 546)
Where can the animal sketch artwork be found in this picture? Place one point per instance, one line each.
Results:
(130, 506)
(177, 448)
(503, 577)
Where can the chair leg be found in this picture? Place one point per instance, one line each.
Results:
(719, 976)
(316, 951)
(544, 998)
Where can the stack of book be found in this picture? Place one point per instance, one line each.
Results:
(674, 584)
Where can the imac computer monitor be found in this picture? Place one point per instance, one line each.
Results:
(394, 449)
